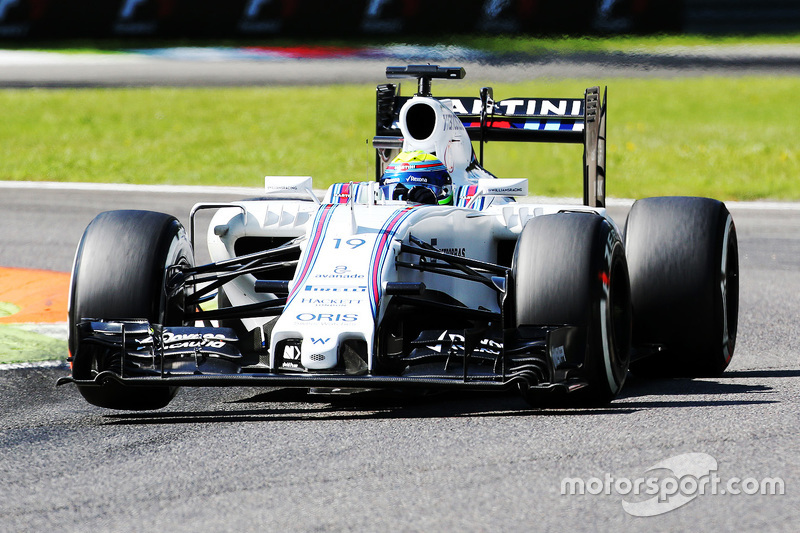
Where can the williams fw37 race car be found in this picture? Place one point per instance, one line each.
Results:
(432, 277)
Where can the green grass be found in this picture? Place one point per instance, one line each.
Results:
(7, 309)
(18, 345)
(729, 138)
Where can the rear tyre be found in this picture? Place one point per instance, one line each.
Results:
(119, 274)
(683, 257)
(570, 269)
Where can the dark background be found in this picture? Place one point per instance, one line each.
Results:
(27, 20)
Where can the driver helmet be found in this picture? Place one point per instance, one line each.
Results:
(417, 176)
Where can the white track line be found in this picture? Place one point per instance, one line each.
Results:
(768, 205)
(128, 187)
(35, 364)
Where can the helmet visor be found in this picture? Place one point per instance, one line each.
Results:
(398, 185)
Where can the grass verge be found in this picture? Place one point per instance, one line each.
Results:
(20, 345)
(729, 138)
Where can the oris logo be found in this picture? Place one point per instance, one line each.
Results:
(327, 317)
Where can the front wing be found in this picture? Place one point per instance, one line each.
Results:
(147, 355)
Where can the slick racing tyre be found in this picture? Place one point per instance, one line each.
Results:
(570, 269)
(684, 266)
(119, 274)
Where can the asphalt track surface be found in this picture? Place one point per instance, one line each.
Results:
(270, 459)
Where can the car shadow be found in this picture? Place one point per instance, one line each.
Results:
(289, 405)
(292, 404)
(709, 392)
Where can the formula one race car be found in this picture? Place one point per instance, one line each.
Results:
(432, 276)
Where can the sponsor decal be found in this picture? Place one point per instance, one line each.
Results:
(336, 288)
(485, 346)
(451, 123)
(340, 272)
(291, 352)
(291, 357)
(458, 252)
(504, 190)
(458, 106)
(331, 302)
(193, 340)
(567, 107)
(327, 317)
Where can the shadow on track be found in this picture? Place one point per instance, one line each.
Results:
(286, 405)
(299, 405)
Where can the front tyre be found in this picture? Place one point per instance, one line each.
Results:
(570, 269)
(119, 273)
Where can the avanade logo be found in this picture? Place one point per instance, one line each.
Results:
(671, 483)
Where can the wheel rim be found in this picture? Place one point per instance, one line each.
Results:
(619, 316)
(729, 289)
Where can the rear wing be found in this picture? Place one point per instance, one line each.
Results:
(556, 120)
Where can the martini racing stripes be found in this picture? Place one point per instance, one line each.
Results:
(465, 195)
(531, 124)
(319, 228)
(379, 253)
(340, 193)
